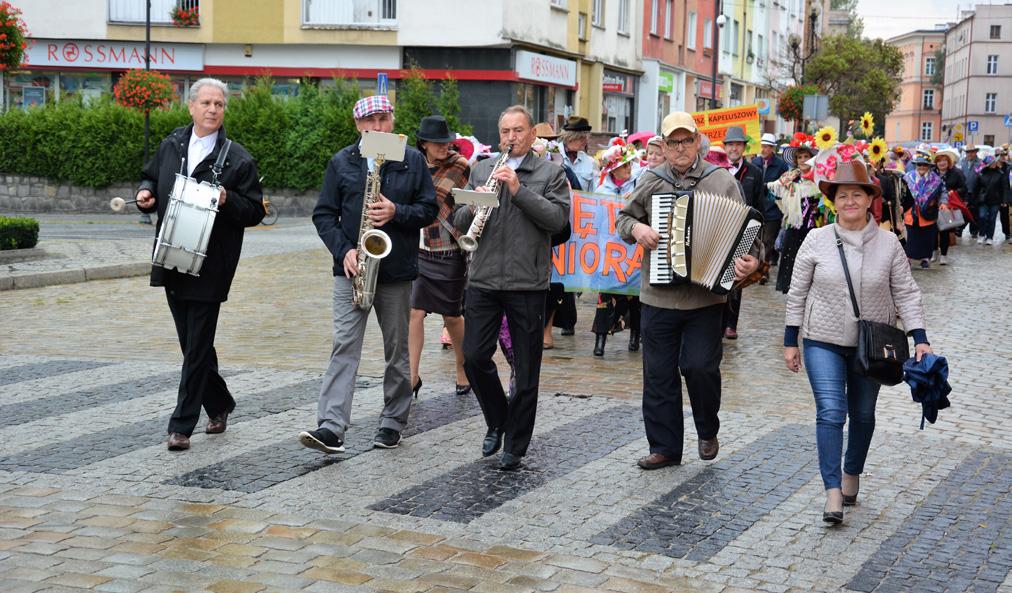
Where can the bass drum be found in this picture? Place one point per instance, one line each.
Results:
(186, 229)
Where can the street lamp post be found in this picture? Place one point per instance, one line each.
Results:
(718, 17)
(147, 66)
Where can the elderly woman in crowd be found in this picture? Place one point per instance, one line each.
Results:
(952, 177)
(920, 209)
(799, 199)
(617, 178)
(820, 311)
(442, 270)
(655, 151)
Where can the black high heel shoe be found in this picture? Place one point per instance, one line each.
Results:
(849, 500)
(414, 390)
(463, 389)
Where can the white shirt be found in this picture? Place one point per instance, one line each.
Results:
(735, 167)
(514, 161)
(199, 149)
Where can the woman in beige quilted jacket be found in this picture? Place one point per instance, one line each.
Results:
(819, 309)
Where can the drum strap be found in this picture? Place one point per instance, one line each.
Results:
(220, 163)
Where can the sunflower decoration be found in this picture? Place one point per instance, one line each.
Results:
(825, 138)
(877, 150)
(867, 124)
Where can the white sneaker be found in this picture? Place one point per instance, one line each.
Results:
(942, 261)
(988, 242)
(934, 255)
(980, 240)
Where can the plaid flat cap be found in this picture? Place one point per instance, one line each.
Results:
(370, 105)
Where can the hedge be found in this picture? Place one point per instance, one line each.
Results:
(292, 138)
(18, 233)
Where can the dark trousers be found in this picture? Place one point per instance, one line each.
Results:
(1003, 217)
(200, 384)
(771, 228)
(611, 307)
(686, 342)
(732, 308)
(943, 241)
(525, 312)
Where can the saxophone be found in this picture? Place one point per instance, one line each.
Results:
(469, 242)
(373, 244)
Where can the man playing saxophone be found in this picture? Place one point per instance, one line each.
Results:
(509, 273)
(404, 203)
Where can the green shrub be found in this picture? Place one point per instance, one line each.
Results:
(291, 138)
(18, 232)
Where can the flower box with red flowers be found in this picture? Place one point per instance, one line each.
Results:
(144, 90)
(186, 17)
(13, 37)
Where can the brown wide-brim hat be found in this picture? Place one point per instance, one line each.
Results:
(575, 123)
(546, 131)
(851, 173)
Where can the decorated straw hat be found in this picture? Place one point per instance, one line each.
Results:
(830, 163)
(950, 153)
(615, 156)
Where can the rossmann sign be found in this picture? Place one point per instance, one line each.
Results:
(548, 69)
(113, 55)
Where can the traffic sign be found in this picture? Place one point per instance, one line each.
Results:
(382, 82)
(958, 136)
(972, 126)
(957, 145)
(1008, 121)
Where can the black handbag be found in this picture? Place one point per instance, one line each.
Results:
(881, 347)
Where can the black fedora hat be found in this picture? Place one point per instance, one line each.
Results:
(575, 123)
(434, 129)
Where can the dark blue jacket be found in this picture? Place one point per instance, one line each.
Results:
(338, 212)
(771, 172)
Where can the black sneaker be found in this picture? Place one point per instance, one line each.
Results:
(386, 438)
(322, 440)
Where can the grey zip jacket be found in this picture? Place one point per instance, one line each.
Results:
(515, 249)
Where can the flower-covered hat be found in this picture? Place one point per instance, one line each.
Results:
(800, 142)
(828, 162)
(616, 155)
(470, 148)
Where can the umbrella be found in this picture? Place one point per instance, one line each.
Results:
(641, 137)
(929, 385)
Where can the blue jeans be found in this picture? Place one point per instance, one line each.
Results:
(988, 215)
(840, 391)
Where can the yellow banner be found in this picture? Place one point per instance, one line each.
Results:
(715, 122)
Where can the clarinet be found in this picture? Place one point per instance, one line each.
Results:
(469, 242)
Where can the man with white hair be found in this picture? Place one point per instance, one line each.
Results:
(195, 301)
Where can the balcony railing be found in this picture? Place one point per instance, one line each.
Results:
(132, 11)
(349, 13)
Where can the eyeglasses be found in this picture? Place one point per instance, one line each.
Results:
(684, 143)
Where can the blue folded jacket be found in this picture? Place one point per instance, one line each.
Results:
(929, 384)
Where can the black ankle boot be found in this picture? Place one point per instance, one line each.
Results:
(634, 340)
(599, 344)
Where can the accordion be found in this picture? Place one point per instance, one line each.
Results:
(701, 234)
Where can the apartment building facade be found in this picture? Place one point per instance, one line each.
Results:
(918, 115)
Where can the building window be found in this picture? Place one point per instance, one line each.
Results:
(734, 33)
(133, 11)
(748, 46)
(989, 139)
(690, 39)
(725, 39)
(623, 16)
(992, 64)
(597, 13)
(707, 34)
(927, 130)
(581, 26)
(357, 13)
(654, 8)
(929, 99)
(929, 66)
(995, 31)
(563, 4)
(669, 13)
(990, 102)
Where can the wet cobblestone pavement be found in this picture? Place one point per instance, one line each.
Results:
(90, 499)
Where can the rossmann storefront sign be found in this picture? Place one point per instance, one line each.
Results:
(114, 55)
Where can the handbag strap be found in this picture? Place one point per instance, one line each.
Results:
(846, 272)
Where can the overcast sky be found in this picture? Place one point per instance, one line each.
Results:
(888, 18)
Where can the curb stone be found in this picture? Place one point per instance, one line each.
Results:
(42, 279)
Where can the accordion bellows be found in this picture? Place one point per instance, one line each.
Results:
(701, 234)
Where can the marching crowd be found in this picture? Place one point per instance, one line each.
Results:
(834, 215)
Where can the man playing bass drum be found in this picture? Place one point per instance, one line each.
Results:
(406, 203)
(509, 273)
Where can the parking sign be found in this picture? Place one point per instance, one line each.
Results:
(972, 126)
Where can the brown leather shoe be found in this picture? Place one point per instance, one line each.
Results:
(217, 424)
(708, 448)
(178, 441)
(657, 461)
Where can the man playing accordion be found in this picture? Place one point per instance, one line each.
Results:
(681, 324)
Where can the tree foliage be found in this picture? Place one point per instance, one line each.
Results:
(858, 75)
(416, 98)
(792, 101)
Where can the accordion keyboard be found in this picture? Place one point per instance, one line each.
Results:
(660, 219)
(752, 229)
